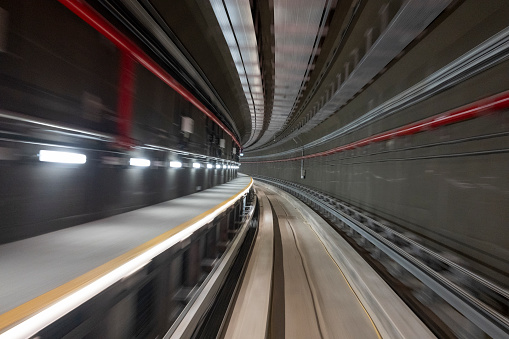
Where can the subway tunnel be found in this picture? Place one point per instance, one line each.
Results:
(254, 169)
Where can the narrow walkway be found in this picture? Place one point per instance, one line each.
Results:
(41, 265)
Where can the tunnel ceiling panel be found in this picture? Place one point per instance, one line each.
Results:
(236, 23)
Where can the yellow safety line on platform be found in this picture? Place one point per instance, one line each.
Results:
(20, 313)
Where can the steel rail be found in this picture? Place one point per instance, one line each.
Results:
(442, 259)
(486, 318)
(99, 23)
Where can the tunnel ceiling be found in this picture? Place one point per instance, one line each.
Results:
(178, 26)
(283, 67)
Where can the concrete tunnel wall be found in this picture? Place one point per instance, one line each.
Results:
(449, 184)
(66, 73)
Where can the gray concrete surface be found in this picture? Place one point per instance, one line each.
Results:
(31, 267)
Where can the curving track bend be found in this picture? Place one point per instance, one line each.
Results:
(297, 285)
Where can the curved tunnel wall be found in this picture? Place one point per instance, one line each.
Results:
(447, 184)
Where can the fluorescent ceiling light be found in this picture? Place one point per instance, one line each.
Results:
(224, 166)
(140, 162)
(209, 166)
(196, 165)
(62, 157)
(175, 164)
(218, 166)
(241, 154)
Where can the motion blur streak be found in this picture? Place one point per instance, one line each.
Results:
(86, 13)
(30, 321)
(486, 106)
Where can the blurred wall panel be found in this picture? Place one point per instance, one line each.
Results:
(55, 67)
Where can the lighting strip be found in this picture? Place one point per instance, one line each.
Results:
(83, 134)
(139, 162)
(30, 319)
(175, 164)
(62, 157)
(197, 155)
(236, 22)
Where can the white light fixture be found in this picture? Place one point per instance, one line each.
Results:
(196, 165)
(224, 166)
(175, 164)
(209, 166)
(241, 154)
(139, 162)
(218, 166)
(62, 157)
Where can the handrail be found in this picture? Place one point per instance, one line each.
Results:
(4, 114)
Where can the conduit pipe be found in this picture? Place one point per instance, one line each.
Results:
(125, 97)
(94, 19)
(478, 108)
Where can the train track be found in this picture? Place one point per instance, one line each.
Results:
(482, 304)
(298, 285)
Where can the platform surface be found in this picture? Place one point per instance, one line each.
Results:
(34, 266)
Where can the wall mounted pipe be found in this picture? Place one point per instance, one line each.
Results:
(95, 20)
(125, 98)
(478, 108)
